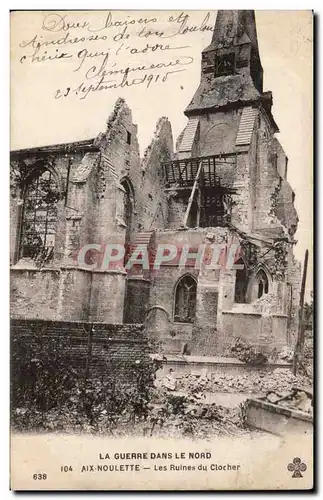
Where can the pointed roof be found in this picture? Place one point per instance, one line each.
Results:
(235, 31)
(234, 27)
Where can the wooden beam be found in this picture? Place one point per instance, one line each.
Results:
(190, 201)
(301, 325)
(199, 203)
(178, 188)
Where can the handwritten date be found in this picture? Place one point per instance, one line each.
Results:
(128, 51)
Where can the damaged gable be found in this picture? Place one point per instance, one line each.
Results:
(160, 150)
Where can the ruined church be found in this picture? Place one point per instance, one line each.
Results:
(224, 183)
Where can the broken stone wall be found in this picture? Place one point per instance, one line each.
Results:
(284, 207)
(91, 210)
(146, 176)
(152, 200)
(241, 208)
(267, 180)
(38, 286)
(115, 192)
(62, 164)
(120, 161)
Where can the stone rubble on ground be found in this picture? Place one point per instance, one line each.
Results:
(259, 382)
(276, 387)
(296, 399)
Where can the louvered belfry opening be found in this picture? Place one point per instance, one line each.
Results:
(206, 184)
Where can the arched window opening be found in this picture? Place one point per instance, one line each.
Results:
(185, 300)
(39, 216)
(263, 284)
(241, 284)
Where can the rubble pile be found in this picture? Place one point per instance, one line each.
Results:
(296, 399)
(258, 382)
(252, 355)
(178, 413)
(247, 353)
(180, 405)
(308, 356)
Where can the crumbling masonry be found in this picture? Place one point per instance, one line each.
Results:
(226, 183)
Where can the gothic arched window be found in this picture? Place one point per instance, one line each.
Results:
(39, 218)
(185, 300)
(263, 284)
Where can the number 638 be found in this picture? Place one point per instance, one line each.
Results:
(39, 476)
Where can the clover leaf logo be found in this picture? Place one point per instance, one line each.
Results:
(297, 467)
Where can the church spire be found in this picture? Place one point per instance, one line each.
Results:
(231, 68)
(232, 25)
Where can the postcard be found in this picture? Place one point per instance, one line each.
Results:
(161, 268)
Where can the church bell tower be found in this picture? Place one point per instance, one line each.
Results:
(231, 69)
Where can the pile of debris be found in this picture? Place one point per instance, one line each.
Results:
(296, 399)
(260, 382)
(180, 405)
(183, 413)
(247, 353)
